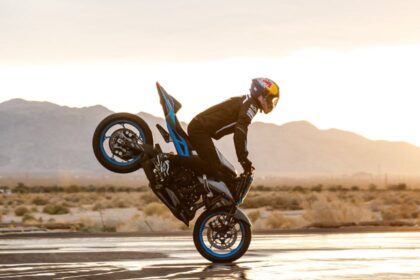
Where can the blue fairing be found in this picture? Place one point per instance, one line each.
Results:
(180, 143)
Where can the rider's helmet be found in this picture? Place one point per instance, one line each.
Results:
(266, 91)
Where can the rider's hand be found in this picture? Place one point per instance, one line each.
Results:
(247, 165)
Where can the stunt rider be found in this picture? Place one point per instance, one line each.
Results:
(231, 116)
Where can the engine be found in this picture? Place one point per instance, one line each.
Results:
(186, 186)
(177, 187)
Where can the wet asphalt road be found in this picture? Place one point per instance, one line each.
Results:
(392, 255)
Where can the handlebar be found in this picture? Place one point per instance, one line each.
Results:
(248, 173)
(244, 184)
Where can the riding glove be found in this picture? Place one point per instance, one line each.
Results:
(246, 165)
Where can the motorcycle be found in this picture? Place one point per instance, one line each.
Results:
(123, 143)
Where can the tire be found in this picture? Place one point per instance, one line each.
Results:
(207, 252)
(105, 157)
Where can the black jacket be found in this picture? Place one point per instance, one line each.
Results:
(231, 116)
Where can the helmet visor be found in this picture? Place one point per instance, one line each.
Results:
(272, 101)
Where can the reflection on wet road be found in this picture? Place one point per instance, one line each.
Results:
(291, 256)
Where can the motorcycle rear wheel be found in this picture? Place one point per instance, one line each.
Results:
(104, 132)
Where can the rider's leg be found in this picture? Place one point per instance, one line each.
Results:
(193, 162)
(203, 144)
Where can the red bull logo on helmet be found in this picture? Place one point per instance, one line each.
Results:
(266, 83)
(269, 85)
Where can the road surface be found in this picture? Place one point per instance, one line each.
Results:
(386, 255)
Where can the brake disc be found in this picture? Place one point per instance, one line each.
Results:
(122, 142)
(221, 236)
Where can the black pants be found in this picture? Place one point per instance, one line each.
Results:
(203, 144)
(207, 161)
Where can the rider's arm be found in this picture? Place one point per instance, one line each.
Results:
(246, 113)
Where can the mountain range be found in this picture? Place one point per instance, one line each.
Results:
(45, 139)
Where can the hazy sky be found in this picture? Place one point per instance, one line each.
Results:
(352, 65)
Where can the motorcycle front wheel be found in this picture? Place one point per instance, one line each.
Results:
(113, 139)
(221, 238)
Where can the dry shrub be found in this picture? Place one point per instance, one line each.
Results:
(78, 199)
(299, 189)
(397, 187)
(368, 197)
(73, 198)
(55, 209)
(97, 207)
(39, 201)
(409, 211)
(156, 209)
(412, 197)
(138, 223)
(119, 200)
(257, 201)
(275, 200)
(403, 211)
(119, 203)
(149, 197)
(388, 215)
(286, 202)
(96, 225)
(29, 219)
(355, 188)
(375, 205)
(134, 224)
(277, 220)
(88, 225)
(21, 210)
(254, 215)
(317, 188)
(335, 213)
(391, 198)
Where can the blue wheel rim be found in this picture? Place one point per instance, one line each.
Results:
(212, 253)
(104, 138)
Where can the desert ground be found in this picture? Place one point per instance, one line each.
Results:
(300, 232)
(131, 209)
